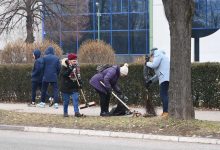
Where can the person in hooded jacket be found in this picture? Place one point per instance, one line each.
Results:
(161, 65)
(36, 75)
(70, 82)
(110, 78)
(51, 69)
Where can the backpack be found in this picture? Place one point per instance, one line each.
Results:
(101, 68)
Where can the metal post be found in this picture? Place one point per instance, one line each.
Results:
(151, 23)
(196, 49)
(98, 15)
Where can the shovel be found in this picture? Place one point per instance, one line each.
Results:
(134, 112)
(116, 96)
(87, 104)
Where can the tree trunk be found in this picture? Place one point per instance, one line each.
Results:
(179, 14)
(29, 24)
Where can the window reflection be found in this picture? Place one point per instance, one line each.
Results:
(207, 14)
(120, 42)
(119, 20)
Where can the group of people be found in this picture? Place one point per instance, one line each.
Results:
(47, 69)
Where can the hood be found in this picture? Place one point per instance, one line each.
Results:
(63, 62)
(49, 50)
(159, 52)
(37, 53)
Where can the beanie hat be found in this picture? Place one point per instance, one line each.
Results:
(72, 56)
(124, 69)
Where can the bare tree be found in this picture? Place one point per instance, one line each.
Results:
(179, 14)
(15, 11)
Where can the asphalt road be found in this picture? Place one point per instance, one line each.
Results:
(14, 140)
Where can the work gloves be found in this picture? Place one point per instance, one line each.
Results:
(123, 98)
(147, 58)
(80, 84)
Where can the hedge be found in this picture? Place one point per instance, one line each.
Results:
(15, 84)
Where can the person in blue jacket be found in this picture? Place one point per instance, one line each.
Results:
(51, 69)
(36, 75)
(161, 65)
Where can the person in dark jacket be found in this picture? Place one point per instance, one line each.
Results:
(51, 69)
(36, 75)
(109, 77)
(70, 82)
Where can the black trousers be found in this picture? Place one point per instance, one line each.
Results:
(104, 101)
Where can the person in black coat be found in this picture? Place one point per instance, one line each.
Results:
(51, 69)
(70, 82)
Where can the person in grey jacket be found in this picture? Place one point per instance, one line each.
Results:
(161, 65)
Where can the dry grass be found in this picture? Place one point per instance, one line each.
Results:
(140, 60)
(21, 52)
(98, 52)
(155, 125)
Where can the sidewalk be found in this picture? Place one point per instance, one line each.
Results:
(94, 111)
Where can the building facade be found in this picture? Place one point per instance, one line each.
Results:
(124, 24)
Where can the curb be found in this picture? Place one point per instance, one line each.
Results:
(110, 134)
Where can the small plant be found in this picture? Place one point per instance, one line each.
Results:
(98, 52)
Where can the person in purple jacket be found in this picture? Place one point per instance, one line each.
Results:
(109, 77)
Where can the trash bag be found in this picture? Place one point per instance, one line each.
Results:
(120, 109)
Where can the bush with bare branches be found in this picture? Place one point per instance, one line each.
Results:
(139, 60)
(93, 51)
(21, 52)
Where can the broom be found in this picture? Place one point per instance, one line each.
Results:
(87, 104)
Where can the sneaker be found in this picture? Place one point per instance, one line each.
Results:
(32, 104)
(51, 101)
(77, 114)
(65, 115)
(164, 115)
(56, 105)
(41, 105)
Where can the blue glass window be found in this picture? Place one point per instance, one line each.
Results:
(123, 24)
(207, 14)
(120, 42)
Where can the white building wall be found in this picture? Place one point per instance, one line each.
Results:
(209, 46)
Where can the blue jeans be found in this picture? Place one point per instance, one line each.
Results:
(75, 100)
(164, 86)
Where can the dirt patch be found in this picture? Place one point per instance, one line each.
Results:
(155, 125)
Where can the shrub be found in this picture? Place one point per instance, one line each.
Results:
(21, 52)
(15, 84)
(139, 60)
(93, 51)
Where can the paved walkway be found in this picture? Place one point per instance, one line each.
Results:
(94, 111)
